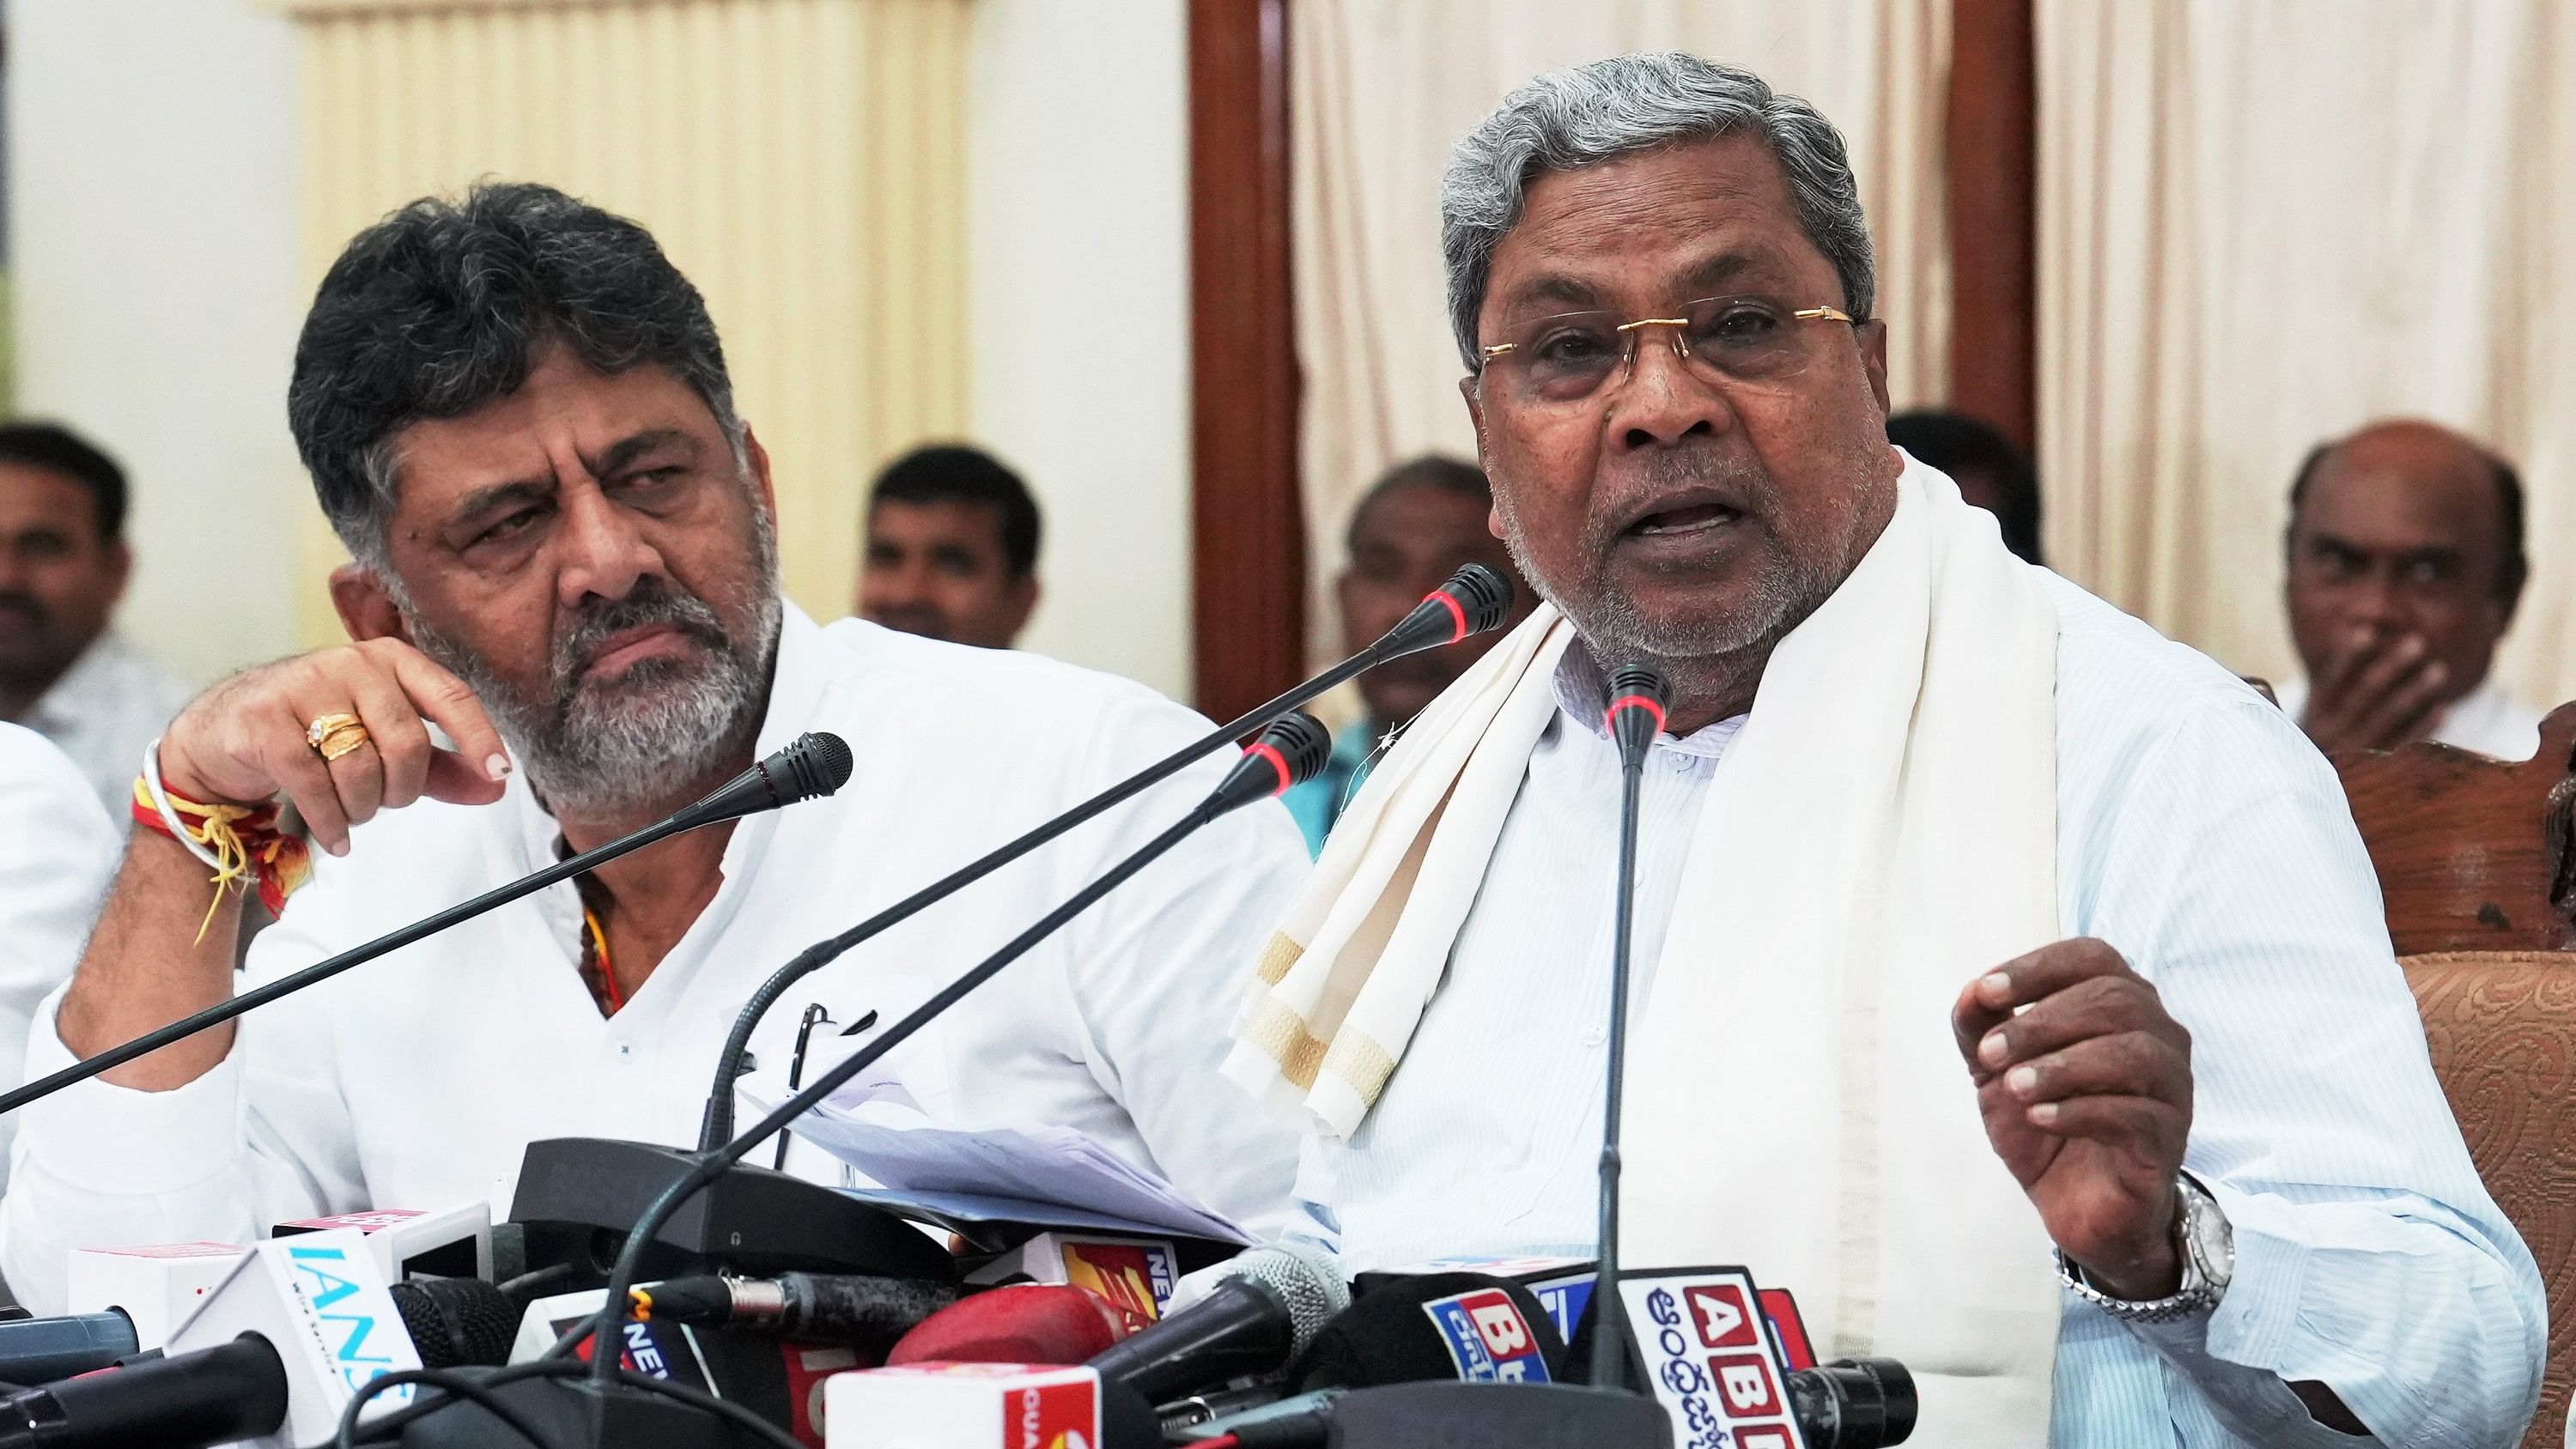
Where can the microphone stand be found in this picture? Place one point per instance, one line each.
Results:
(1289, 752)
(1635, 716)
(811, 765)
(1473, 600)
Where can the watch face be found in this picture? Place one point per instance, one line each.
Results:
(2208, 1239)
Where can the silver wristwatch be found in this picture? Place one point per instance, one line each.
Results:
(2207, 1246)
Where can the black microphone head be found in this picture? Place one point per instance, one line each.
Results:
(1854, 1403)
(1482, 594)
(457, 1322)
(1303, 745)
(1474, 600)
(1434, 1326)
(1290, 752)
(1638, 696)
(811, 765)
(816, 763)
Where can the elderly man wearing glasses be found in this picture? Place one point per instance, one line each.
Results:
(2009, 982)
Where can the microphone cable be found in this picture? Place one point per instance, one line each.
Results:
(483, 1392)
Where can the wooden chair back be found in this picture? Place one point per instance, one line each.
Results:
(2473, 854)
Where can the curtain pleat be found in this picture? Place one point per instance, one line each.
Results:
(2262, 225)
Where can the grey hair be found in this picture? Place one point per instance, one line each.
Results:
(443, 306)
(1570, 119)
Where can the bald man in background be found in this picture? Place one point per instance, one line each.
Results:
(2406, 561)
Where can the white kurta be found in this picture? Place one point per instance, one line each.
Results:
(416, 1080)
(57, 851)
(2201, 836)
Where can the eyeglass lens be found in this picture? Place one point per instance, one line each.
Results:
(1750, 340)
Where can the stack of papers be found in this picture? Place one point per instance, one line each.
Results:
(1046, 1165)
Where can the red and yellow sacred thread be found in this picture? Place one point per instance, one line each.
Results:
(244, 839)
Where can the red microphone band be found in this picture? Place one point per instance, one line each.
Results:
(1610, 716)
(1457, 613)
(1278, 762)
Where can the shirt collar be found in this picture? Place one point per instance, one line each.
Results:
(1583, 694)
(79, 692)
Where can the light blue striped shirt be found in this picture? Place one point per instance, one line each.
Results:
(2202, 836)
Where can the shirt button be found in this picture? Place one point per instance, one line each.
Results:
(626, 1051)
(1593, 1036)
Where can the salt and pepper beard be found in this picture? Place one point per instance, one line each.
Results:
(1786, 591)
(603, 748)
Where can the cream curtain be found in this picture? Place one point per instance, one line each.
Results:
(801, 160)
(2262, 224)
(1380, 89)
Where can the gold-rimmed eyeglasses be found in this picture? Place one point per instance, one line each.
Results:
(1754, 341)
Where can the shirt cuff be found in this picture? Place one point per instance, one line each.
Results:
(104, 1138)
(2236, 1352)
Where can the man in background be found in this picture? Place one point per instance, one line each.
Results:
(63, 565)
(1414, 527)
(1991, 473)
(2405, 563)
(952, 548)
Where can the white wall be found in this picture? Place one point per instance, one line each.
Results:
(1077, 226)
(152, 268)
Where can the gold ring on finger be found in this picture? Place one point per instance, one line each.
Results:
(334, 735)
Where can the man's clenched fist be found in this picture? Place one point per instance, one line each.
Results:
(2085, 1083)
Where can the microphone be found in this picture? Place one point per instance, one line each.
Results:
(1474, 600)
(811, 765)
(451, 1321)
(236, 1390)
(866, 1312)
(40, 1350)
(1434, 1327)
(1049, 1323)
(1266, 1311)
(1634, 717)
(455, 1322)
(1289, 751)
(1854, 1403)
(279, 1348)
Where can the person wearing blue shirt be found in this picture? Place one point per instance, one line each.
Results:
(1414, 527)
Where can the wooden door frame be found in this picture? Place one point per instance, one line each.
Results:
(1247, 511)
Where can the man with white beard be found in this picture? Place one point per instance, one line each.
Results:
(2011, 982)
(517, 417)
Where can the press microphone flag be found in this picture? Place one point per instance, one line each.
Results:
(812, 765)
(270, 1359)
(1474, 600)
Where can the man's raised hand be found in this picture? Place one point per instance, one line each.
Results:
(2374, 694)
(2085, 1084)
(244, 740)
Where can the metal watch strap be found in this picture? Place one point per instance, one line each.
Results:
(2204, 1282)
